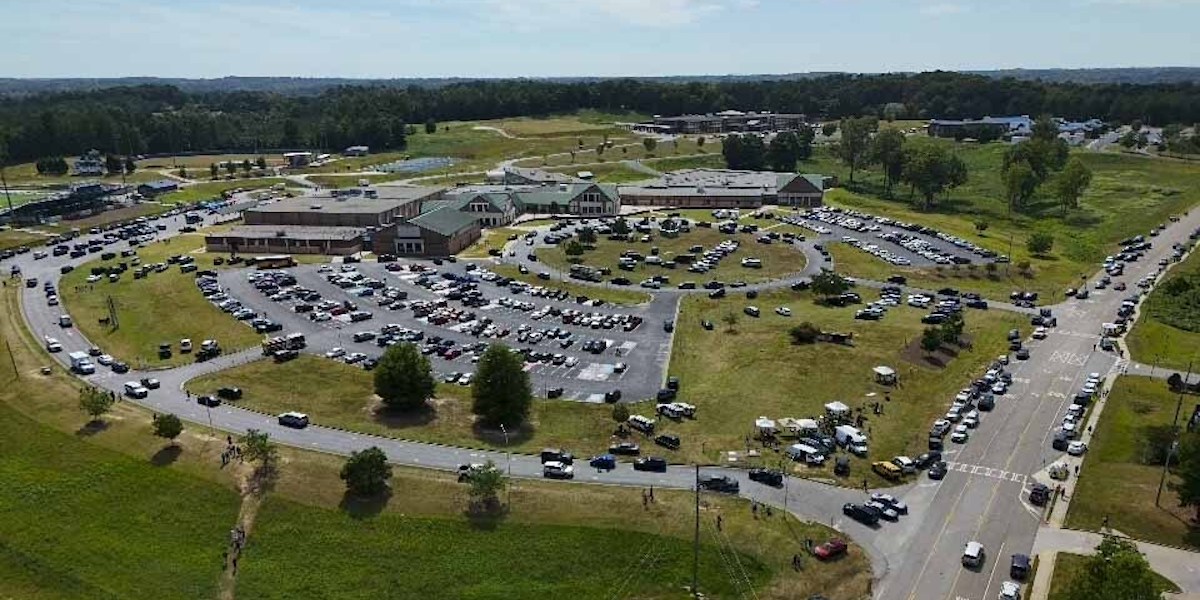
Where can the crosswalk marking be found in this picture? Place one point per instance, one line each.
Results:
(984, 471)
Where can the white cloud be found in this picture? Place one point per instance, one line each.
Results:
(942, 8)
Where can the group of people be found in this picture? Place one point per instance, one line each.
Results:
(231, 452)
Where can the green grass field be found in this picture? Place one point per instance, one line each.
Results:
(736, 376)
(1116, 480)
(212, 189)
(1157, 338)
(163, 307)
(1070, 567)
(470, 562)
(103, 521)
(12, 238)
(492, 239)
(340, 395)
(778, 259)
(86, 522)
(713, 160)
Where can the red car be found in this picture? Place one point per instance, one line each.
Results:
(830, 549)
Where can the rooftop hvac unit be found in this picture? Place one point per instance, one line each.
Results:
(280, 233)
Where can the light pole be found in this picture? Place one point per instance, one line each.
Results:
(508, 460)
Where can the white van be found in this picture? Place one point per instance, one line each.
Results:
(806, 453)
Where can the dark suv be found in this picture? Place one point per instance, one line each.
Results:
(718, 483)
(650, 463)
(860, 513)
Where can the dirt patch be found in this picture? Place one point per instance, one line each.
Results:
(938, 359)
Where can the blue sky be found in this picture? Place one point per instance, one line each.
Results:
(506, 38)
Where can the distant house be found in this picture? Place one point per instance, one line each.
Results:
(89, 164)
(356, 151)
(155, 188)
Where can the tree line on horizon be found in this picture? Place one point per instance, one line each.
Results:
(164, 119)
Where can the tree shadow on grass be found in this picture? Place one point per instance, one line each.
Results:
(403, 419)
(485, 518)
(495, 437)
(166, 456)
(92, 428)
(359, 508)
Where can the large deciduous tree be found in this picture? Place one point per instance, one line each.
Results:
(1020, 183)
(501, 391)
(366, 472)
(95, 402)
(403, 378)
(887, 150)
(1071, 183)
(854, 149)
(744, 152)
(1188, 470)
(828, 284)
(167, 426)
(1117, 571)
(932, 169)
(1039, 243)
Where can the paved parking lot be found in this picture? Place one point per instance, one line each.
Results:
(632, 362)
(896, 242)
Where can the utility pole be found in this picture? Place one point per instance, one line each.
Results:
(696, 542)
(1174, 436)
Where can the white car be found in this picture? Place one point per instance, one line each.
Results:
(1040, 333)
(971, 423)
(571, 361)
(960, 435)
(1003, 359)
(1009, 590)
(1076, 448)
(336, 353)
(105, 359)
(783, 311)
(93, 278)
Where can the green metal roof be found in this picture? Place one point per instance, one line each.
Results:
(444, 220)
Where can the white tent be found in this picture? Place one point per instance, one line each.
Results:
(765, 426)
(837, 409)
(885, 375)
(798, 426)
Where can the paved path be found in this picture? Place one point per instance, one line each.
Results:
(1180, 566)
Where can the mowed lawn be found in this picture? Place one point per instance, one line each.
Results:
(1068, 568)
(12, 238)
(339, 395)
(1119, 481)
(393, 556)
(1128, 196)
(212, 190)
(778, 258)
(492, 239)
(1153, 341)
(79, 521)
(735, 376)
(162, 307)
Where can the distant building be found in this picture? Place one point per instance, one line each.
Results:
(727, 121)
(987, 127)
(89, 164)
(297, 160)
(156, 188)
(442, 231)
(356, 151)
(723, 188)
